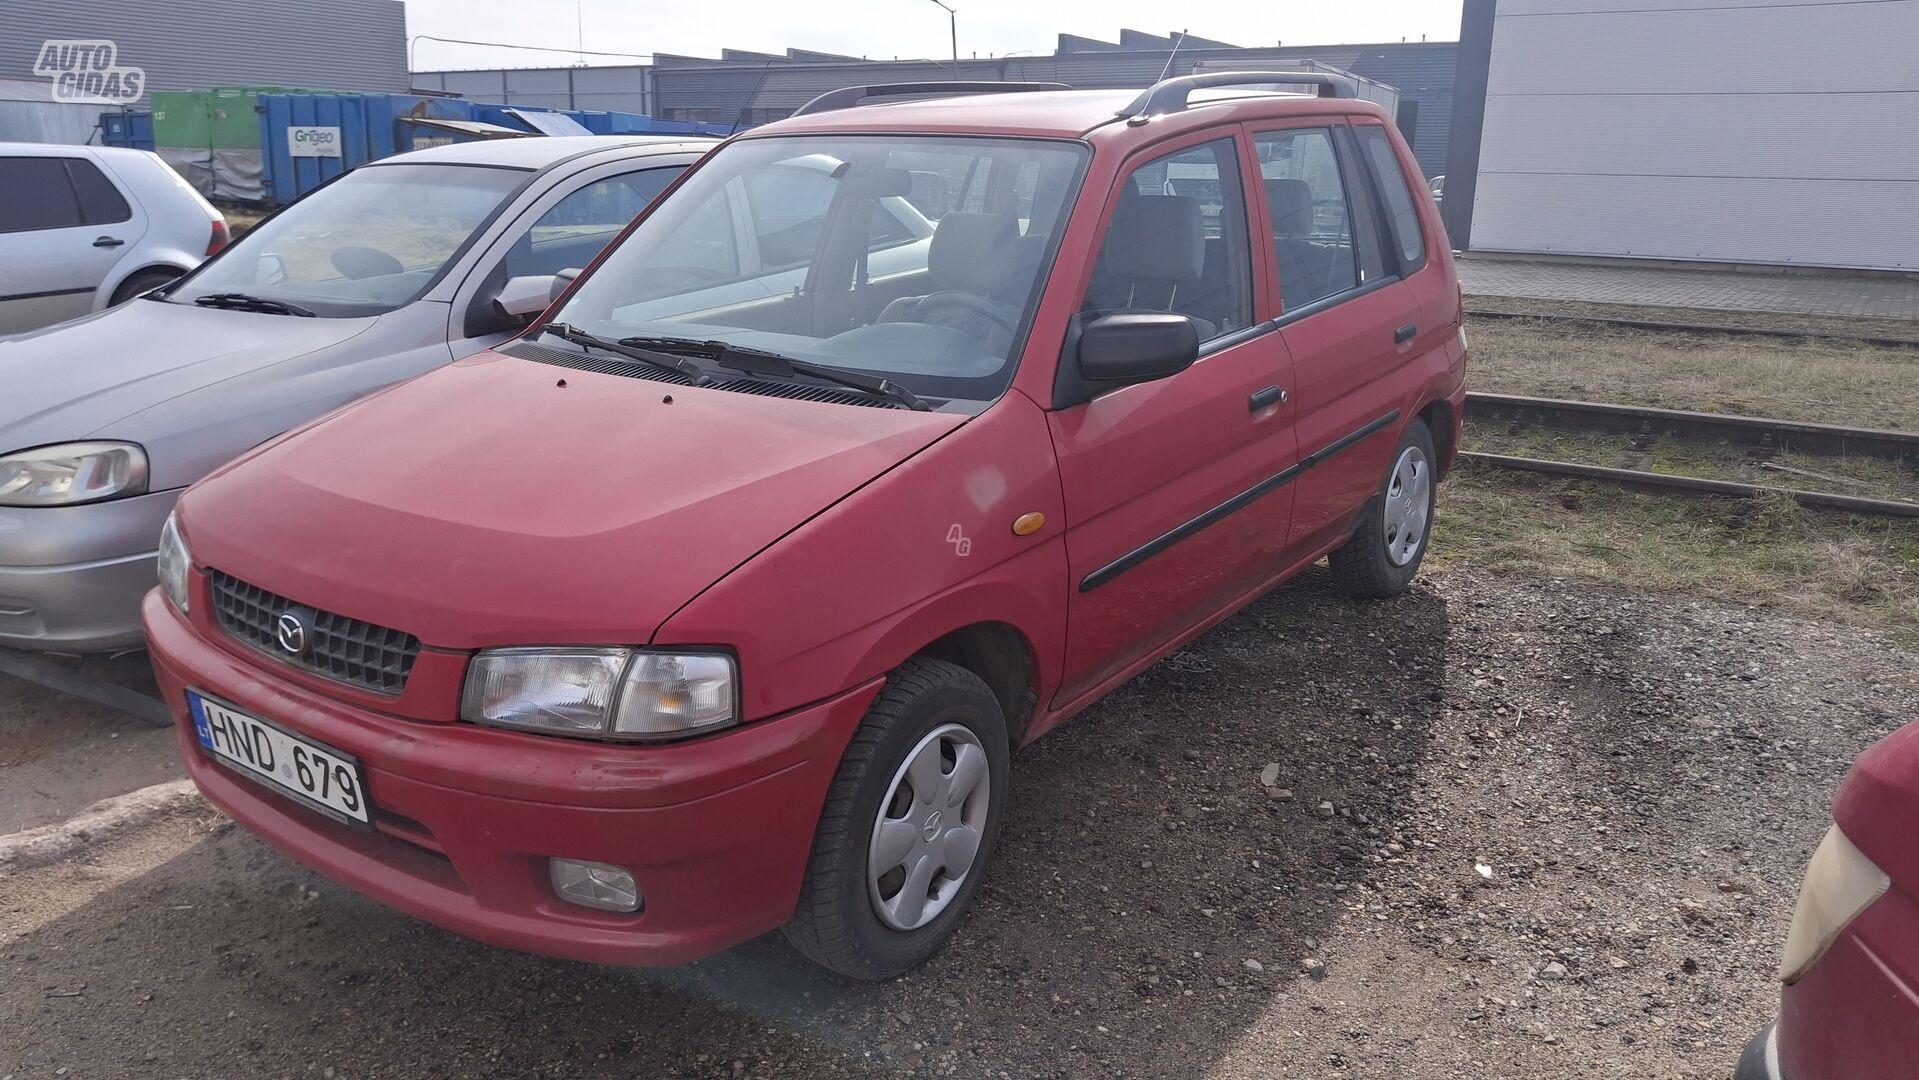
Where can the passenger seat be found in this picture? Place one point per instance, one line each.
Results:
(1155, 247)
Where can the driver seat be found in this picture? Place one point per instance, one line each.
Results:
(971, 254)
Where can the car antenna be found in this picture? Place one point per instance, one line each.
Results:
(1167, 70)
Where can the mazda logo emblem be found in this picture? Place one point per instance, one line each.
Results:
(292, 633)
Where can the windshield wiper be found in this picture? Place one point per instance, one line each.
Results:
(243, 302)
(761, 362)
(621, 348)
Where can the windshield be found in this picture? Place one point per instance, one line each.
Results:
(915, 258)
(365, 244)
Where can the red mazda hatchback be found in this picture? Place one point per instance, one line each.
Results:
(892, 436)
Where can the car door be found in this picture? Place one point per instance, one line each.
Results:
(1176, 491)
(565, 228)
(1346, 316)
(52, 258)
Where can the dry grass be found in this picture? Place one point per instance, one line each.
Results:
(1769, 552)
(1759, 320)
(1823, 381)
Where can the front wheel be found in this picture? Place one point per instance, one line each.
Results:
(908, 827)
(1390, 541)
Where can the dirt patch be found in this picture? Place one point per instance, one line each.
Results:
(1823, 381)
(1642, 780)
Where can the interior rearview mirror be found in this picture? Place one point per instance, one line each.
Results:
(561, 281)
(271, 269)
(1119, 350)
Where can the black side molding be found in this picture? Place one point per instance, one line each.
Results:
(1238, 502)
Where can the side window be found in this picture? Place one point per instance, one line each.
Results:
(578, 226)
(1178, 242)
(1312, 228)
(39, 195)
(100, 202)
(1378, 148)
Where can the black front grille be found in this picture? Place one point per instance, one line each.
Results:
(346, 650)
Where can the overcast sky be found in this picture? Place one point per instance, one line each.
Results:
(885, 29)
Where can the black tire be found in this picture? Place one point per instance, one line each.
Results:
(835, 924)
(141, 282)
(1362, 566)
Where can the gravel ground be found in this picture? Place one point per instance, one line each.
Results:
(1502, 827)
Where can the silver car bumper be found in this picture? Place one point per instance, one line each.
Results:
(71, 577)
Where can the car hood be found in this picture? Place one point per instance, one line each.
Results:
(69, 381)
(501, 501)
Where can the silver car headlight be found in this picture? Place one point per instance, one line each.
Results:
(174, 561)
(72, 473)
(1841, 883)
(628, 694)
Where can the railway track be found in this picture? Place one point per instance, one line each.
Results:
(1759, 436)
(1693, 328)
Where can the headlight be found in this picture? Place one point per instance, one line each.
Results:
(1840, 883)
(174, 561)
(602, 693)
(72, 473)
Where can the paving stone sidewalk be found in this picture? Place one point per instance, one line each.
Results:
(1879, 298)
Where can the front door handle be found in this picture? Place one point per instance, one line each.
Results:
(1405, 333)
(108, 241)
(1266, 399)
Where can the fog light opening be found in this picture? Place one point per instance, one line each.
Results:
(594, 885)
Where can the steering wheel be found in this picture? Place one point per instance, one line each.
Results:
(978, 305)
(358, 262)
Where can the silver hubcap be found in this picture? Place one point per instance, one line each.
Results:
(1409, 505)
(929, 828)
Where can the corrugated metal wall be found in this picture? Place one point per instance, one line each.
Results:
(200, 44)
(691, 87)
(1722, 130)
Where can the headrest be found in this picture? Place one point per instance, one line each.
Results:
(1156, 238)
(971, 251)
(1291, 202)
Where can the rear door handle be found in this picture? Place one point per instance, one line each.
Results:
(1405, 333)
(108, 241)
(1266, 399)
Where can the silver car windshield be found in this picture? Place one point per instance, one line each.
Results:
(916, 258)
(372, 241)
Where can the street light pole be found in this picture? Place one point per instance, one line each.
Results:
(952, 25)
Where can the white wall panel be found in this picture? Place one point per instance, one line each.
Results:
(1867, 224)
(1768, 131)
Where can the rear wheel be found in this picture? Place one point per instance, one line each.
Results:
(138, 283)
(909, 824)
(1390, 541)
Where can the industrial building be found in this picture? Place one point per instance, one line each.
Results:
(1730, 131)
(748, 88)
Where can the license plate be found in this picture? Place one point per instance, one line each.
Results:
(319, 776)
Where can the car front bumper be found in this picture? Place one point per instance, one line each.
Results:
(717, 831)
(1854, 1015)
(71, 577)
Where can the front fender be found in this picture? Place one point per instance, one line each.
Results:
(925, 549)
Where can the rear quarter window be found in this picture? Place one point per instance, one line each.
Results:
(1402, 217)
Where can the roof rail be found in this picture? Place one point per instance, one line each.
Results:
(1170, 95)
(848, 96)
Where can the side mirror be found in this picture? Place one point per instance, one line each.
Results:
(524, 297)
(562, 281)
(1119, 350)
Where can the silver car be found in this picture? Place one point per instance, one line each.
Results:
(397, 267)
(86, 227)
